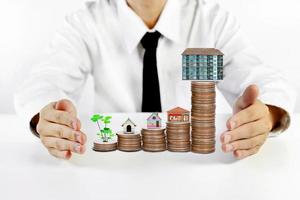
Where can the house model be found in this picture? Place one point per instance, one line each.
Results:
(128, 126)
(154, 121)
(178, 115)
(202, 64)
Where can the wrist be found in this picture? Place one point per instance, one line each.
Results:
(275, 114)
(33, 124)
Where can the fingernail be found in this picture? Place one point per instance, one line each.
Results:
(229, 147)
(77, 148)
(68, 155)
(74, 124)
(78, 137)
(227, 138)
(238, 155)
(83, 149)
(232, 125)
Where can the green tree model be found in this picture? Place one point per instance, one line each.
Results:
(105, 133)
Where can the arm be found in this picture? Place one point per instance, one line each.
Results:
(61, 74)
(261, 98)
(243, 67)
(44, 98)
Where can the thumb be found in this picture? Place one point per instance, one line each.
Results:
(248, 98)
(66, 105)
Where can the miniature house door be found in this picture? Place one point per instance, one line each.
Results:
(128, 129)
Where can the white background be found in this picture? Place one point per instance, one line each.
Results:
(26, 26)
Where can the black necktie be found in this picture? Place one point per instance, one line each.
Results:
(151, 94)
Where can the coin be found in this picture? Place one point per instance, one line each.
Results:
(203, 117)
(100, 146)
(154, 140)
(178, 137)
(129, 142)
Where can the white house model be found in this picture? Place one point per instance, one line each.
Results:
(128, 126)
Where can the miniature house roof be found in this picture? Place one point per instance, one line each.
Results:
(128, 121)
(154, 115)
(178, 110)
(203, 51)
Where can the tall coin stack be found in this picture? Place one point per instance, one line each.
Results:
(154, 140)
(129, 142)
(203, 117)
(178, 136)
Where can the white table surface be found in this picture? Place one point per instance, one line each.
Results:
(28, 172)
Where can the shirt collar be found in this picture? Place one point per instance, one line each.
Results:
(134, 28)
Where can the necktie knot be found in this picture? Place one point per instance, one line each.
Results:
(150, 40)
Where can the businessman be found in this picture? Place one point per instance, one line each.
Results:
(132, 49)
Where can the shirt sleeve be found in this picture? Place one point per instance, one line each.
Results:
(61, 74)
(243, 67)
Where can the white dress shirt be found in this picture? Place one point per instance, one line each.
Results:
(103, 40)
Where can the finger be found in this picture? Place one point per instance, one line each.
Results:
(61, 131)
(61, 117)
(249, 96)
(241, 154)
(252, 113)
(60, 154)
(66, 105)
(245, 131)
(62, 144)
(245, 144)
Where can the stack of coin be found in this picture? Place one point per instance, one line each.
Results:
(178, 136)
(154, 140)
(105, 146)
(203, 117)
(129, 142)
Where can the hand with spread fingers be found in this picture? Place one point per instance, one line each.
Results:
(59, 129)
(250, 124)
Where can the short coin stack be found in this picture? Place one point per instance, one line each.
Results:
(129, 142)
(178, 136)
(154, 140)
(203, 117)
(105, 146)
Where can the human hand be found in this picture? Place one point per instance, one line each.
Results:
(59, 129)
(249, 126)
